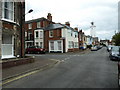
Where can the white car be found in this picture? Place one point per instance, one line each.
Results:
(94, 48)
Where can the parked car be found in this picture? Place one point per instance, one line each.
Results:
(115, 53)
(109, 47)
(94, 48)
(35, 49)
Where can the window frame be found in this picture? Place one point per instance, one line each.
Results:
(50, 33)
(11, 11)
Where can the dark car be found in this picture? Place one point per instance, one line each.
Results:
(35, 49)
(114, 53)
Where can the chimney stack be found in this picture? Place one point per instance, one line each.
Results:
(67, 23)
(49, 16)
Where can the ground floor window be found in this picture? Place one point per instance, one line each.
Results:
(52, 45)
(70, 44)
(41, 44)
(76, 45)
(59, 45)
(37, 44)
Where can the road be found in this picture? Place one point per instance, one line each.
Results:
(89, 70)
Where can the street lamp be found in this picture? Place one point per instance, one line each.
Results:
(23, 32)
(29, 11)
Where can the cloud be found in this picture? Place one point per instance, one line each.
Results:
(78, 12)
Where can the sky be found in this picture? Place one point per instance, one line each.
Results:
(80, 13)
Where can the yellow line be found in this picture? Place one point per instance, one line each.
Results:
(18, 78)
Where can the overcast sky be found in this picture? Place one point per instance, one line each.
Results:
(80, 13)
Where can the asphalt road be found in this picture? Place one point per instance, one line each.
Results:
(90, 70)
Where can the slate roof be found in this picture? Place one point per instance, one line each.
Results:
(54, 26)
(36, 20)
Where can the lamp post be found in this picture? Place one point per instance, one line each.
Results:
(23, 32)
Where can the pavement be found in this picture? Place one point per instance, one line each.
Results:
(15, 71)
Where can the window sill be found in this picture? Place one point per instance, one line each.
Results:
(3, 19)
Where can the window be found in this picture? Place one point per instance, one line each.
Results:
(41, 34)
(76, 45)
(50, 33)
(37, 44)
(76, 34)
(30, 36)
(36, 34)
(8, 10)
(52, 45)
(70, 45)
(41, 44)
(30, 26)
(38, 24)
(59, 45)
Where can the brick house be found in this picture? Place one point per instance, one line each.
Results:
(60, 38)
(11, 32)
(82, 40)
(34, 34)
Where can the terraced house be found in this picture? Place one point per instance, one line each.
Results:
(34, 31)
(11, 32)
(61, 38)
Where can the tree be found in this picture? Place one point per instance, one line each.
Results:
(116, 39)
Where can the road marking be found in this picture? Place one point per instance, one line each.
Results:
(19, 77)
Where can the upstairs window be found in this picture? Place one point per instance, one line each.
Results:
(38, 25)
(30, 26)
(36, 34)
(41, 34)
(50, 33)
(8, 10)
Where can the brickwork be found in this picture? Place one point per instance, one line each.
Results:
(56, 36)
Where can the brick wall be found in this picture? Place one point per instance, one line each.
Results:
(56, 36)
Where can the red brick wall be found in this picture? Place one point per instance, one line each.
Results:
(56, 36)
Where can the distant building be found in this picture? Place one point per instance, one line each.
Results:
(89, 40)
(11, 32)
(82, 39)
(95, 41)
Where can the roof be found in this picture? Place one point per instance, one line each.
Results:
(36, 20)
(54, 26)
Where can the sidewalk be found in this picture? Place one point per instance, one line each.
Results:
(22, 69)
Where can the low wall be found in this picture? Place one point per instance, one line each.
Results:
(16, 62)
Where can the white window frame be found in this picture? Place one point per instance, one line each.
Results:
(41, 44)
(41, 34)
(52, 43)
(75, 44)
(51, 33)
(38, 25)
(36, 36)
(59, 45)
(9, 10)
(30, 26)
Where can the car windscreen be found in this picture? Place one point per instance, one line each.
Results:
(115, 48)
